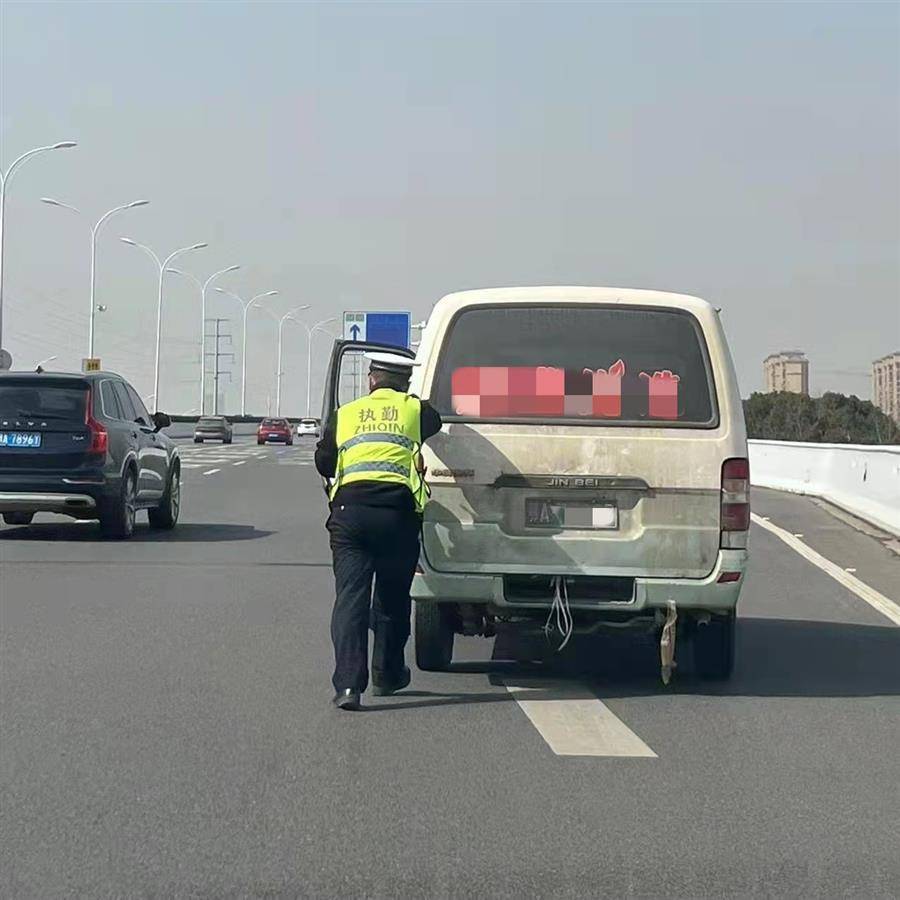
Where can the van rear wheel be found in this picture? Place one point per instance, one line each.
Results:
(714, 647)
(434, 636)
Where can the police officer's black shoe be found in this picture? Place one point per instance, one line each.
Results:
(386, 688)
(346, 699)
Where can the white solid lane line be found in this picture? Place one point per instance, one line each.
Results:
(212, 471)
(574, 722)
(875, 599)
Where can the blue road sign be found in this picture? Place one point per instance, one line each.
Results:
(391, 328)
(388, 328)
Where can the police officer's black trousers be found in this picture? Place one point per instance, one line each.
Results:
(367, 542)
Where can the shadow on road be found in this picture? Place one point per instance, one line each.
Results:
(775, 658)
(89, 532)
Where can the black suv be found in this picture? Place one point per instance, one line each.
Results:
(84, 446)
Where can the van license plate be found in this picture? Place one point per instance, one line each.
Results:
(554, 514)
(19, 439)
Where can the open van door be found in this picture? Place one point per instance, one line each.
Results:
(347, 377)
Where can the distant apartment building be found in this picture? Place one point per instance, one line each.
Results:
(787, 371)
(886, 384)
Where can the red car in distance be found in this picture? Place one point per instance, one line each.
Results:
(274, 431)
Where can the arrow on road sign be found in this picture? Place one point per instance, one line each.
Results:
(354, 331)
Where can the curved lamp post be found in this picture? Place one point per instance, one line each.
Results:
(281, 322)
(204, 286)
(310, 331)
(246, 304)
(161, 265)
(4, 183)
(94, 229)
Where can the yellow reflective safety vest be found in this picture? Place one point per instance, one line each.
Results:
(378, 439)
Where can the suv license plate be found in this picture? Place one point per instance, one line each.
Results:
(19, 439)
(555, 514)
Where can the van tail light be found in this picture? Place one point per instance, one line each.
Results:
(735, 503)
(99, 434)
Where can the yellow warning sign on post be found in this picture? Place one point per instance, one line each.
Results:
(90, 365)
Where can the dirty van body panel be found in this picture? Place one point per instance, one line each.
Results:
(666, 502)
(570, 493)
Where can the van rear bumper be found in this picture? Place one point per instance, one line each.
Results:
(649, 593)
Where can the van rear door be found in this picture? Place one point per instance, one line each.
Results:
(578, 439)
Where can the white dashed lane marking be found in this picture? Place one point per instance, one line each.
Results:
(574, 722)
(218, 456)
(212, 471)
(876, 600)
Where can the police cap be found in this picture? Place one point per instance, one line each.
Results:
(395, 363)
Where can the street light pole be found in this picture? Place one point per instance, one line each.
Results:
(94, 229)
(284, 319)
(203, 288)
(4, 182)
(162, 265)
(246, 307)
(310, 331)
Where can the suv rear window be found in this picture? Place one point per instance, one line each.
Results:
(273, 423)
(211, 421)
(27, 398)
(618, 365)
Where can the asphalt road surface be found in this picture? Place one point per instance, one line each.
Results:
(167, 731)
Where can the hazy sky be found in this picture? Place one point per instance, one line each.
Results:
(382, 155)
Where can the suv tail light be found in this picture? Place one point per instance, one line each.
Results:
(99, 434)
(735, 503)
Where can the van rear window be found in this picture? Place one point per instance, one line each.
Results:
(617, 365)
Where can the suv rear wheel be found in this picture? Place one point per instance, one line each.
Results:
(165, 516)
(714, 647)
(434, 636)
(117, 515)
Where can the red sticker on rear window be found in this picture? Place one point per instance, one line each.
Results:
(607, 390)
(662, 388)
(537, 391)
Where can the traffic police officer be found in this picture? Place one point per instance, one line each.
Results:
(371, 450)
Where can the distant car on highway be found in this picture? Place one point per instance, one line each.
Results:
(308, 427)
(84, 445)
(213, 428)
(275, 431)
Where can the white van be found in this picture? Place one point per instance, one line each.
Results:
(592, 464)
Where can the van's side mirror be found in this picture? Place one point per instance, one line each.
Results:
(160, 421)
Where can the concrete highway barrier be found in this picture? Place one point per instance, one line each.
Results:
(862, 479)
